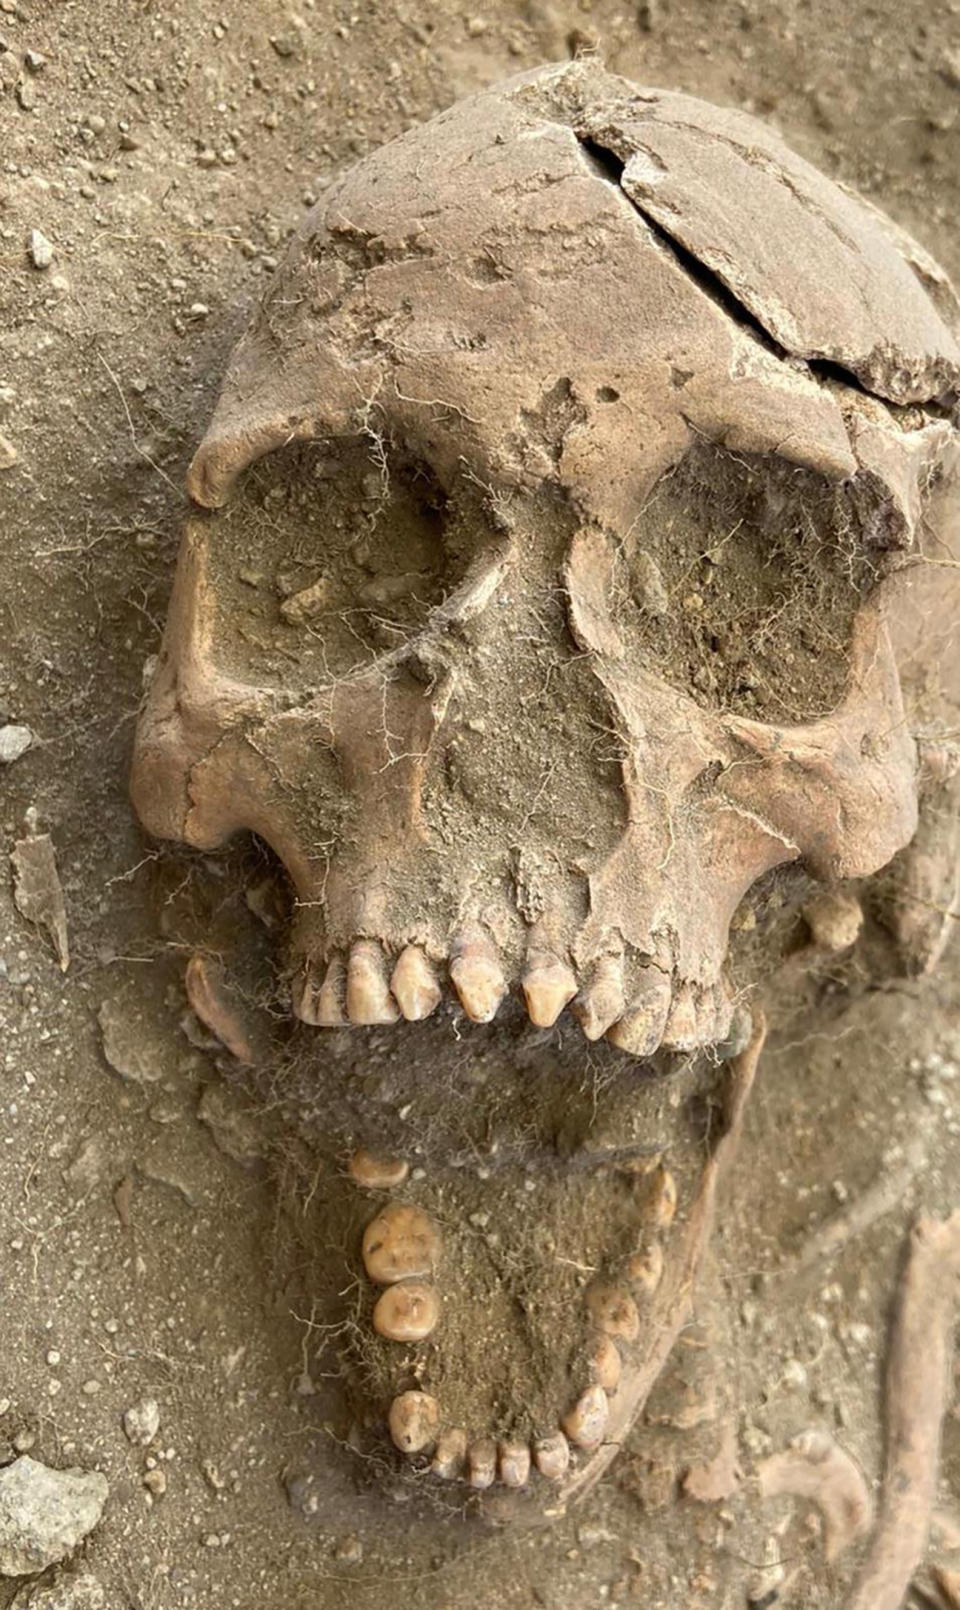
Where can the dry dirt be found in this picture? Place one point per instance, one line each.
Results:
(144, 1247)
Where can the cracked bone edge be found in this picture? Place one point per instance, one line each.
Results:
(917, 1387)
(817, 1468)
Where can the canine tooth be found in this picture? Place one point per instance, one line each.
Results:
(477, 976)
(640, 1030)
(482, 1462)
(551, 1455)
(401, 1243)
(413, 1421)
(645, 1268)
(415, 984)
(548, 985)
(514, 1464)
(601, 1002)
(613, 1312)
(450, 1453)
(586, 1422)
(368, 994)
(211, 1001)
(406, 1312)
(682, 1031)
(377, 1173)
(605, 1364)
(661, 1204)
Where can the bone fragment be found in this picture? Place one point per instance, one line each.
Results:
(415, 984)
(407, 1311)
(948, 1582)
(477, 976)
(210, 999)
(413, 1419)
(548, 985)
(377, 1173)
(482, 1463)
(605, 1366)
(368, 993)
(917, 1385)
(834, 920)
(613, 1312)
(401, 1243)
(586, 1422)
(551, 1455)
(514, 1464)
(450, 1453)
(601, 1003)
(37, 891)
(817, 1468)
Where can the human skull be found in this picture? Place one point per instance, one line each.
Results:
(554, 338)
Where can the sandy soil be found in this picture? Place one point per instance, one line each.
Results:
(164, 153)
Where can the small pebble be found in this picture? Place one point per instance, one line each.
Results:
(40, 249)
(26, 96)
(142, 1422)
(8, 454)
(33, 61)
(14, 740)
(155, 1481)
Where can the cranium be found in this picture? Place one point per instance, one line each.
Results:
(631, 420)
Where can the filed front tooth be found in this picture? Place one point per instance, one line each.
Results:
(401, 1243)
(415, 984)
(605, 1364)
(645, 1268)
(407, 1311)
(450, 1453)
(322, 1005)
(413, 1420)
(368, 994)
(601, 1002)
(613, 1312)
(551, 1455)
(587, 1420)
(482, 1462)
(548, 986)
(477, 975)
(377, 1173)
(640, 1030)
(514, 1461)
(682, 1029)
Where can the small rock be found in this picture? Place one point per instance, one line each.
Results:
(40, 249)
(349, 1550)
(142, 1422)
(33, 61)
(132, 1043)
(155, 1481)
(45, 1513)
(26, 96)
(231, 1124)
(285, 45)
(14, 740)
(81, 1592)
(37, 891)
(949, 68)
(8, 454)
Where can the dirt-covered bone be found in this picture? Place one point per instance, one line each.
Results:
(580, 579)
(551, 344)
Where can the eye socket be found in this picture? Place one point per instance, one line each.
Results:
(740, 580)
(329, 555)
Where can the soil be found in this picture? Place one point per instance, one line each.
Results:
(150, 1245)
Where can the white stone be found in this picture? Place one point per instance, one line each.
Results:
(45, 1513)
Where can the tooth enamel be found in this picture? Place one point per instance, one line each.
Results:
(601, 1003)
(682, 1032)
(377, 1173)
(406, 1312)
(368, 995)
(605, 1364)
(212, 1005)
(328, 1003)
(613, 1312)
(477, 976)
(401, 1243)
(482, 1463)
(645, 1268)
(450, 1453)
(548, 985)
(551, 1455)
(415, 984)
(587, 1420)
(640, 1030)
(661, 1203)
(413, 1419)
(514, 1464)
